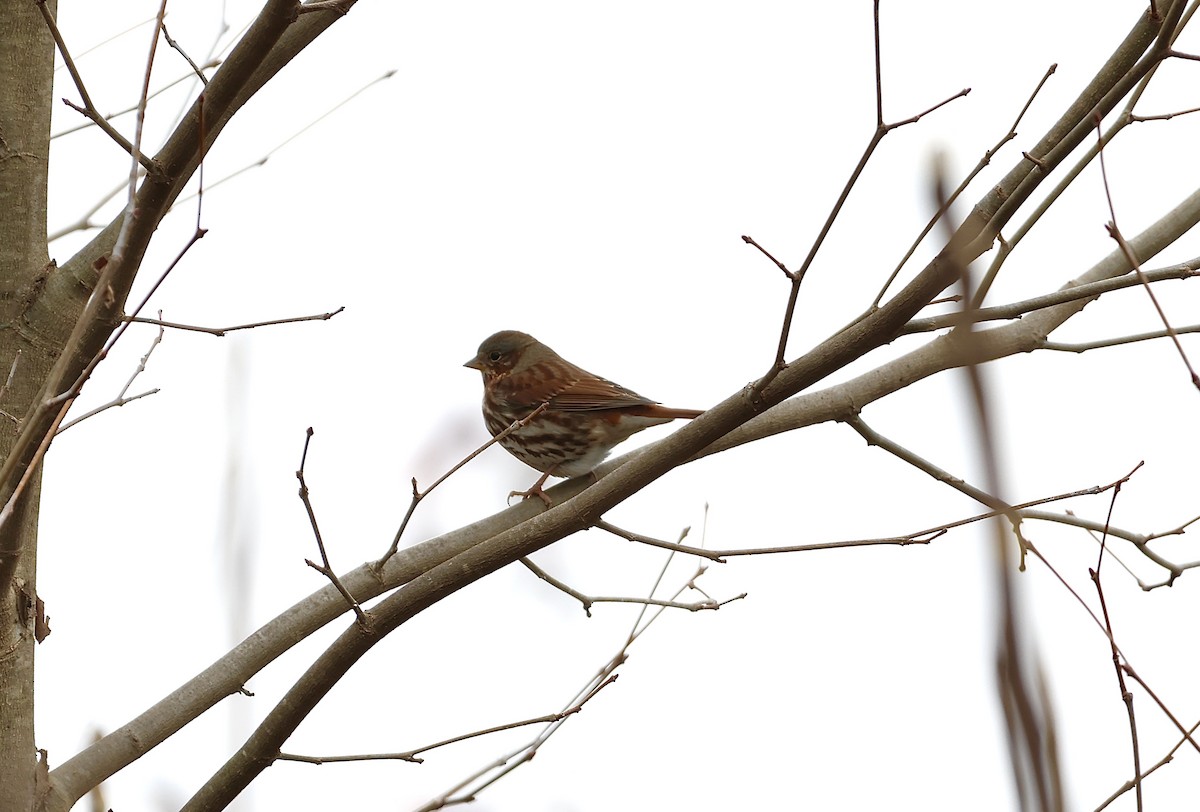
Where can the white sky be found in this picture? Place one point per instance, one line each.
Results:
(585, 173)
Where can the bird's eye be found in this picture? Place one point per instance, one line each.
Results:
(494, 356)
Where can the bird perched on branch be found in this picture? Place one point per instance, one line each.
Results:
(584, 417)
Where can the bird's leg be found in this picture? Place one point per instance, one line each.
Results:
(536, 490)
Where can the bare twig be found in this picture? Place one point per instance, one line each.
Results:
(10, 507)
(589, 600)
(212, 63)
(324, 568)
(962, 187)
(469, 788)
(112, 404)
(1115, 232)
(411, 755)
(273, 150)
(1128, 785)
(57, 405)
(221, 331)
(653, 542)
(1126, 696)
(1127, 666)
(84, 221)
(88, 109)
(1104, 343)
(418, 495)
(179, 48)
(121, 399)
(113, 38)
(1133, 119)
(1170, 29)
(559, 585)
(797, 277)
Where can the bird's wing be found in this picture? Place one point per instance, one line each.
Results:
(569, 388)
(587, 394)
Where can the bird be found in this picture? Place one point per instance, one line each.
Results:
(584, 418)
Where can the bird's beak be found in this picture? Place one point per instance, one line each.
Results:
(474, 364)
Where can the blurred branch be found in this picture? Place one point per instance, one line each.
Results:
(84, 222)
(1027, 705)
(273, 150)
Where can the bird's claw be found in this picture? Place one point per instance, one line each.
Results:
(536, 490)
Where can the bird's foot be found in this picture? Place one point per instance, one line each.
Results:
(536, 490)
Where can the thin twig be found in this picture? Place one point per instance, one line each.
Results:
(85, 220)
(797, 277)
(179, 48)
(653, 542)
(559, 585)
(324, 567)
(1115, 232)
(121, 399)
(498, 769)
(88, 109)
(418, 495)
(1104, 343)
(411, 755)
(212, 63)
(1126, 696)
(1163, 116)
(112, 404)
(1128, 785)
(221, 331)
(273, 150)
(589, 600)
(1128, 667)
(1067, 181)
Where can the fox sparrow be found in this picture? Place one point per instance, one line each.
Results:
(586, 416)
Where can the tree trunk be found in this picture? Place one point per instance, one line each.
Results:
(27, 68)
